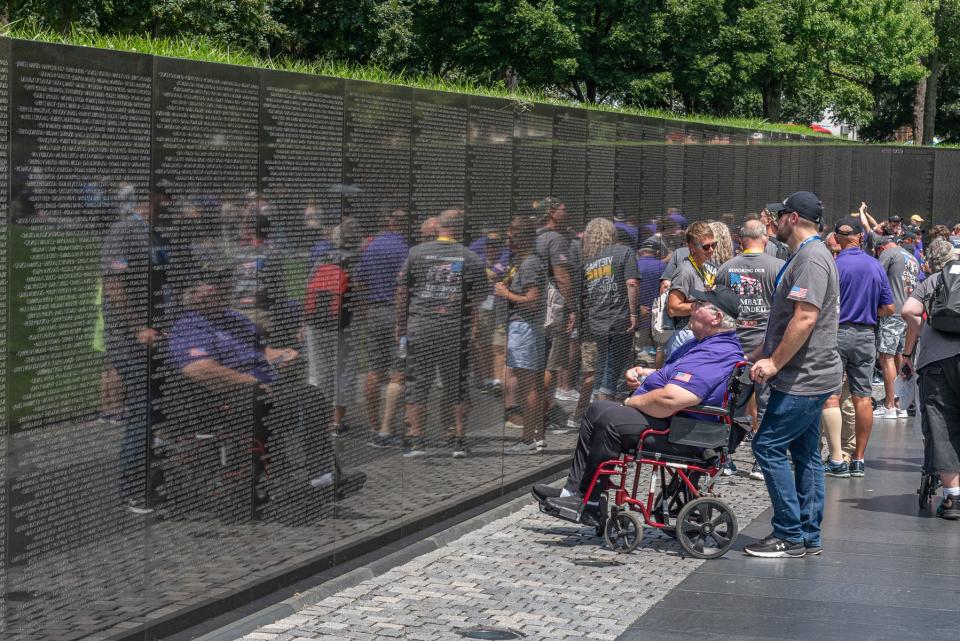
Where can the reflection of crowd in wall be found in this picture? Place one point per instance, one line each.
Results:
(240, 307)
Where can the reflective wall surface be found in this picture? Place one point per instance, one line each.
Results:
(254, 319)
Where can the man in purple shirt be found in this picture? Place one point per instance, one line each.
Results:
(376, 274)
(864, 297)
(696, 373)
(650, 265)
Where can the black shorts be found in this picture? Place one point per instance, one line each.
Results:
(433, 354)
(940, 414)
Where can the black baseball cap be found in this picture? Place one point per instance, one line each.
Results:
(806, 203)
(720, 297)
(848, 226)
(893, 218)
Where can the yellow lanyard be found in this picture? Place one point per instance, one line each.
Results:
(708, 278)
(445, 239)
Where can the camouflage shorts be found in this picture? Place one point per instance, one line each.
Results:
(892, 335)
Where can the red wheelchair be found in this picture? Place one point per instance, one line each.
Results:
(680, 498)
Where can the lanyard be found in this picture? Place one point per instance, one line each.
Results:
(776, 283)
(708, 279)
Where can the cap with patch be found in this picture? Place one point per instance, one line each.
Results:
(722, 298)
(893, 218)
(848, 227)
(807, 205)
(774, 208)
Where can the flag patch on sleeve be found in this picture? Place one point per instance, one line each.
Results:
(682, 376)
(798, 292)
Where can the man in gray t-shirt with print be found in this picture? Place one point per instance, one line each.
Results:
(903, 272)
(799, 360)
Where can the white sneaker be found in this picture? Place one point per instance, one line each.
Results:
(756, 473)
(541, 445)
(902, 413)
(512, 426)
(322, 481)
(883, 411)
(567, 395)
(573, 423)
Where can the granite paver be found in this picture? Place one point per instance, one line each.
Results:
(518, 572)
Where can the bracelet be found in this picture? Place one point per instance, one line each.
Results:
(910, 355)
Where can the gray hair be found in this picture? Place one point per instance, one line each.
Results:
(753, 229)
(726, 321)
(939, 253)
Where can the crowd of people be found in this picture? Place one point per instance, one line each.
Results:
(548, 317)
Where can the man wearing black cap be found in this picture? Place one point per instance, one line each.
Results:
(864, 297)
(799, 360)
(696, 373)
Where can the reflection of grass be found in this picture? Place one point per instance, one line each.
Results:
(208, 50)
(53, 366)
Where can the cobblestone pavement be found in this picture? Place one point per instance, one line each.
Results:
(520, 572)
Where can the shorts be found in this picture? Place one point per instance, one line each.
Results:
(559, 350)
(431, 354)
(893, 335)
(858, 354)
(588, 356)
(381, 328)
(940, 418)
(526, 346)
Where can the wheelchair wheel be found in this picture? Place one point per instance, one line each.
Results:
(623, 532)
(706, 528)
(928, 488)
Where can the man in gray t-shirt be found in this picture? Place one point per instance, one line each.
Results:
(800, 361)
(694, 273)
(751, 275)
(903, 272)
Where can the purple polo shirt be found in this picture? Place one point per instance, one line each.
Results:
(379, 265)
(650, 268)
(864, 287)
(700, 367)
(229, 339)
(320, 248)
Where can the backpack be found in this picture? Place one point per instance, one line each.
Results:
(943, 309)
(325, 303)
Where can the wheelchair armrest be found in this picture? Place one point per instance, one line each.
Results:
(713, 410)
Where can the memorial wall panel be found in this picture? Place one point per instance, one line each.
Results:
(601, 164)
(870, 179)
(653, 178)
(946, 187)
(301, 179)
(209, 414)
(629, 177)
(80, 169)
(532, 158)
(673, 176)
(569, 183)
(378, 175)
(692, 171)
(911, 182)
(5, 478)
(710, 198)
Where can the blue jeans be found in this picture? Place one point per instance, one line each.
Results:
(614, 352)
(792, 423)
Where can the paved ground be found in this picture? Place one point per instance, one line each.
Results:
(888, 571)
(520, 572)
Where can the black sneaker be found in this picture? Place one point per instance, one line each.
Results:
(542, 492)
(813, 550)
(459, 448)
(413, 446)
(856, 469)
(382, 440)
(729, 468)
(949, 509)
(557, 418)
(774, 548)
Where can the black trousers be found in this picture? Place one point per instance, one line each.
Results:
(608, 429)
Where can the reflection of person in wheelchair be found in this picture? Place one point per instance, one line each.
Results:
(220, 352)
(678, 421)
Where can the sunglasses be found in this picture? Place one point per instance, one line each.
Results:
(708, 246)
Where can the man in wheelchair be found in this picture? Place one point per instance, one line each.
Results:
(696, 374)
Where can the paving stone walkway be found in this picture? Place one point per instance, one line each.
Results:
(520, 572)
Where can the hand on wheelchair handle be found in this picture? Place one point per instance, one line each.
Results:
(763, 370)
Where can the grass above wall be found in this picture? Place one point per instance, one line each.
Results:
(204, 49)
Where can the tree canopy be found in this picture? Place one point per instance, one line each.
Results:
(877, 64)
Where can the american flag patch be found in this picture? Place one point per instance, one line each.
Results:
(196, 352)
(798, 292)
(682, 376)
